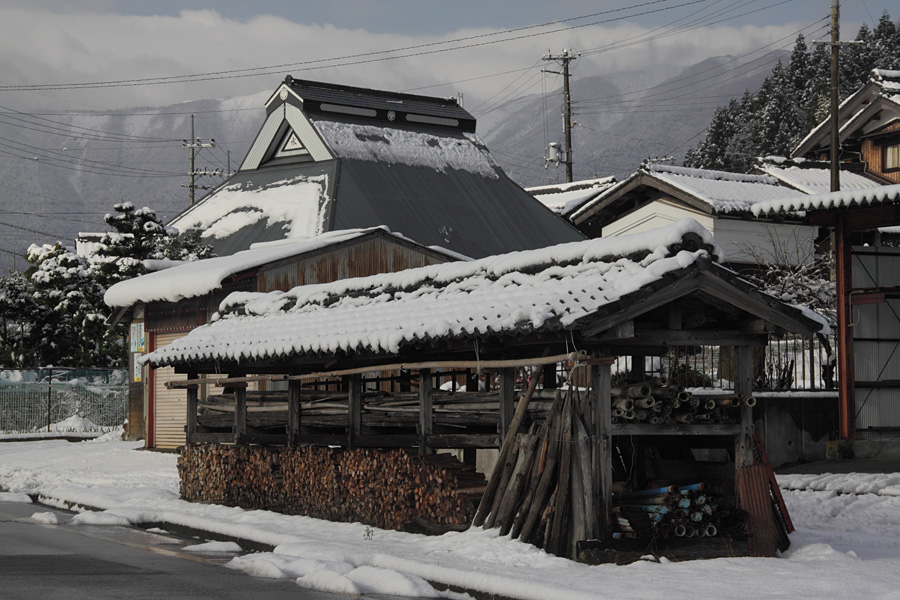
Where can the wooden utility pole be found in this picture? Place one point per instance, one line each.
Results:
(193, 145)
(564, 59)
(835, 94)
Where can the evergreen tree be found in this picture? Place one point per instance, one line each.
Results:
(55, 315)
(792, 100)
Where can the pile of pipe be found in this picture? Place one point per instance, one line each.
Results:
(658, 403)
(674, 511)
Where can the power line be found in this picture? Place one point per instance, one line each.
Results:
(366, 57)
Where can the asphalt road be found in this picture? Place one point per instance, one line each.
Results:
(75, 562)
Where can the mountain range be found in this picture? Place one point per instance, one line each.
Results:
(61, 172)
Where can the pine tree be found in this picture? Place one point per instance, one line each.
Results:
(792, 100)
(54, 314)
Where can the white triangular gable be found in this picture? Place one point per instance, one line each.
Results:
(286, 133)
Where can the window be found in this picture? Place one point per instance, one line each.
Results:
(892, 157)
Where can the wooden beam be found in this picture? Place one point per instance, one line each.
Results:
(193, 402)
(354, 408)
(743, 385)
(601, 448)
(294, 412)
(858, 217)
(846, 368)
(686, 337)
(507, 399)
(442, 364)
(240, 414)
(426, 412)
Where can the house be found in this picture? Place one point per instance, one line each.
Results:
(566, 198)
(335, 157)
(585, 302)
(868, 304)
(868, 128)
(165, 305)
(659, 194)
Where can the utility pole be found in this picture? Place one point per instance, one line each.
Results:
(564, 59)
(835, 44)
(194, 145)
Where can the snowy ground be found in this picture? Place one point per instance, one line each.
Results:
(847, 542)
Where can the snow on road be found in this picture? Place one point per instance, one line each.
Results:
(847, 542)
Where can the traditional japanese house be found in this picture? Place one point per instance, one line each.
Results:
(580, 303)
(868, 128)
(658, 194)
(332, 157)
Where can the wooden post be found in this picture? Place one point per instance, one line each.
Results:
(507, 399)
(240, 412)
(846, 375)
(743, 384)
(193, 401)
(426, 414)
(353, 383)
(601, 448)
(293, 427)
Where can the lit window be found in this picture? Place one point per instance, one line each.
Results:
(892, 157)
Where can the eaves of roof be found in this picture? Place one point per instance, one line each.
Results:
(618, 194)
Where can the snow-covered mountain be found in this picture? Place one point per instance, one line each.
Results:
(60, 173)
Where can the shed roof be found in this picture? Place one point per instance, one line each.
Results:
(563, 288)
(197, 278)
(845, 199)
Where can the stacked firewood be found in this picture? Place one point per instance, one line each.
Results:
(659, 403)
(538, 492)
(695, 510)
(388, 489)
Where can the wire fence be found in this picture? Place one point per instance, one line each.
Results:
(792, 363)
(62, 400)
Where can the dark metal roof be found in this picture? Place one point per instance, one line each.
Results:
(316, 94)
(462, 211)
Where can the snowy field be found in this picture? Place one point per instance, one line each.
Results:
(847, 543)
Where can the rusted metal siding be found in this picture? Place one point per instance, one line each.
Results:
(366, 257)
(872, 153)
(184, 315)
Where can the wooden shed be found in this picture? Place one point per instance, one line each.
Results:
(579, 304)
(165, 305)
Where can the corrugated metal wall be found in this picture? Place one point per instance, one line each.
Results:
(169, 406)
(876, 345)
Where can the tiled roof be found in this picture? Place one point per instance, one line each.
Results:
(547, 289)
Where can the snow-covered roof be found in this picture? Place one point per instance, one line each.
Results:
(811, 177)
(394, 146)
(724, 192)
(883, 86)
(885, 194)
(192, 279)
(548, 289)
(297, 203)
(565, 198)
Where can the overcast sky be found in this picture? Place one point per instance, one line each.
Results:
(96, 41)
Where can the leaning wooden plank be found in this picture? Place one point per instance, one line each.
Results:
(537, 468)
(508, 466)
(557, 542)
(513, 493)
(507, 446)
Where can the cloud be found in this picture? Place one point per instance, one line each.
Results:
(39, 46)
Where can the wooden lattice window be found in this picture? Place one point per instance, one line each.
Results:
(891, 158)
